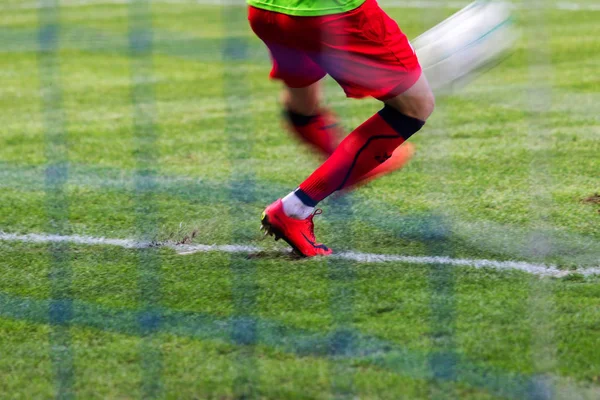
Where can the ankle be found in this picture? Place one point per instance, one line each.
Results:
(295, 208)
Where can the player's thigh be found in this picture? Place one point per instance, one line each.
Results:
(294, 67)
(291, 63)
(365, 51)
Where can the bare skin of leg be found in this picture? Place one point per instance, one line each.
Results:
(304, 101)
(417, 102)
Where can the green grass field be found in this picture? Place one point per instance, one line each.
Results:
(184, 144)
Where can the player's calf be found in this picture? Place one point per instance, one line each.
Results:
(321, 130)
(308, 121)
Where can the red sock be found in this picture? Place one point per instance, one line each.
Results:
(400, 157)
(364, 149)
(320, 131)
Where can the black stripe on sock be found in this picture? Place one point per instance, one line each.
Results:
(404, 125)
(298, 119)
(358, 155)
(304, 198)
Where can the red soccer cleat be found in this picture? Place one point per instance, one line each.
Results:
(297, 233)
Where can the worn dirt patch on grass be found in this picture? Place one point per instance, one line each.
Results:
(593, 199)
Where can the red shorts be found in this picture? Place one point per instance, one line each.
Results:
(364, 50)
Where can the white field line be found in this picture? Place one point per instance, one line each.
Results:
(535, 269)
(417, 4)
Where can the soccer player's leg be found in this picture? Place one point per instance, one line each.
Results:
(318, 129)
(312, 125)
(371, 144)
(417, 102)
(309, 121)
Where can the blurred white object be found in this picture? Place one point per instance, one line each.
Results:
(473, 39)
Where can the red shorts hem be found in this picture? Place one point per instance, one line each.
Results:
(296, 82)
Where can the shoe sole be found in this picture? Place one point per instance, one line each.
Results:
(277, 233)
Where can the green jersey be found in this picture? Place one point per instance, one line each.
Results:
(307, 8)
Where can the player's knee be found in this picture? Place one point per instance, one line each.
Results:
(423, 105)
(418, 102)
(426, 106)
(419, 107)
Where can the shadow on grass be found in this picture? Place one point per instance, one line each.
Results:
(275, 255)
(359, 349)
